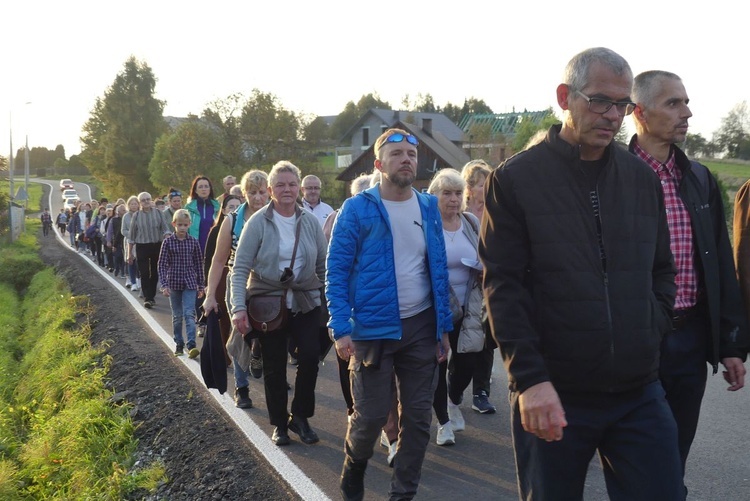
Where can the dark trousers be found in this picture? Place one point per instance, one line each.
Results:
(118, 262)
(346, 389)
(440, 399)
(413, 358)
(462, 367)
(483, 363)
(147, 256)
(303, 328)
(683, 373)
(634, 433)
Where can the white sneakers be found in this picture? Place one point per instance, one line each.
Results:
(392, 453)
(390, 446)
(445, 434)
(454, 414)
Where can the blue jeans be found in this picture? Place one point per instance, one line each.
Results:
(183, 306)
(132, 272)
(240, 377)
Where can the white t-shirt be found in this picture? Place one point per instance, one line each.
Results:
(286, 227)
(410, 256)
(457, 247)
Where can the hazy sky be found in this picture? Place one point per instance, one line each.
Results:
(317, 56)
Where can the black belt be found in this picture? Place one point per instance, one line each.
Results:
(683, 316)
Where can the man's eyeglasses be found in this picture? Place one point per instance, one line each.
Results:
(312, 188)
(398, 137)
(602, 106)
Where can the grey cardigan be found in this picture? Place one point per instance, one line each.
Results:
(256, 263)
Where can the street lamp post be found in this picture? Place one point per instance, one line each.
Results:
(26, 172)
(10, 158)
(26, 159)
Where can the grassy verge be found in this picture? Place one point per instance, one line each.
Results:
(61, 434)
(35, 193)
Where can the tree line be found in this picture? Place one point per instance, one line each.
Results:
(129, 147)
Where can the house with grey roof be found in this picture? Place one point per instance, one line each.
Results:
(440, 142)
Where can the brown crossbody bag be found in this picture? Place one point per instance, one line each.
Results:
(268, 313)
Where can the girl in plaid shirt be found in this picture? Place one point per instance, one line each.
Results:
(181, 274)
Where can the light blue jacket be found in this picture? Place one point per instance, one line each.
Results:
(361, 277)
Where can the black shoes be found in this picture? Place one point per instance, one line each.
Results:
(301, 427)
(353, 480)
(280, 436)
(242, 398)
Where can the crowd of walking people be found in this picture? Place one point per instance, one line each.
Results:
(605, 276)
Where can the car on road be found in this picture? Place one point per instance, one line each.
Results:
(70, 203)
(66, 184)
(69, 194)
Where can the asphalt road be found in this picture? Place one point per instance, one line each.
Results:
(480, 465)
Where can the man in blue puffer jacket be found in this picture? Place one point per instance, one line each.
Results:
(389, 314)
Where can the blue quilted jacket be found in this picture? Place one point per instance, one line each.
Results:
(360, 272)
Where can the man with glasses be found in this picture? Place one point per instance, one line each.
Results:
(147, 230)
(388, 298)
(579, 283)
(709, 322)
(311, 201)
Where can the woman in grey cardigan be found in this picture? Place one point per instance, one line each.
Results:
(264, 253)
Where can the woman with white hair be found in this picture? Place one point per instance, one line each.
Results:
(281, 254)
(460, 231)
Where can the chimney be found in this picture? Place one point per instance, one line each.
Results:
(427, 126)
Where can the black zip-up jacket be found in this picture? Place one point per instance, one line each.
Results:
(717, 278)
(556, 312)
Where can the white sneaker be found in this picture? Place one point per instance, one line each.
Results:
(392, 453)
(135, 288)
(445, 434)
(457, 419)
(384, 439)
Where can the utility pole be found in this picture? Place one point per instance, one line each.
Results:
(26, 172)
(10, 158)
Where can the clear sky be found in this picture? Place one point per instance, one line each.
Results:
(317, 56)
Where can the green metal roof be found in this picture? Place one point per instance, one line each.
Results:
(502, 123)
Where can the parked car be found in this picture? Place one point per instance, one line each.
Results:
(66, 184)
(69, 194)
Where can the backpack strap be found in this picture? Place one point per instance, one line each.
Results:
(701, 172)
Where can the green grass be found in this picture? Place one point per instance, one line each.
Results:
(60, 435)
(733, 174)
(35, 193)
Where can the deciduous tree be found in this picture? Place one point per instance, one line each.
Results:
(193, 148)
(352, 112)
(734, 130)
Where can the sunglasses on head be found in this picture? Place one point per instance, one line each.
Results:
(398, 137)
(175, 194)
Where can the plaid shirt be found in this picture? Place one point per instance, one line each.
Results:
(680, 231)
(181, 264)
